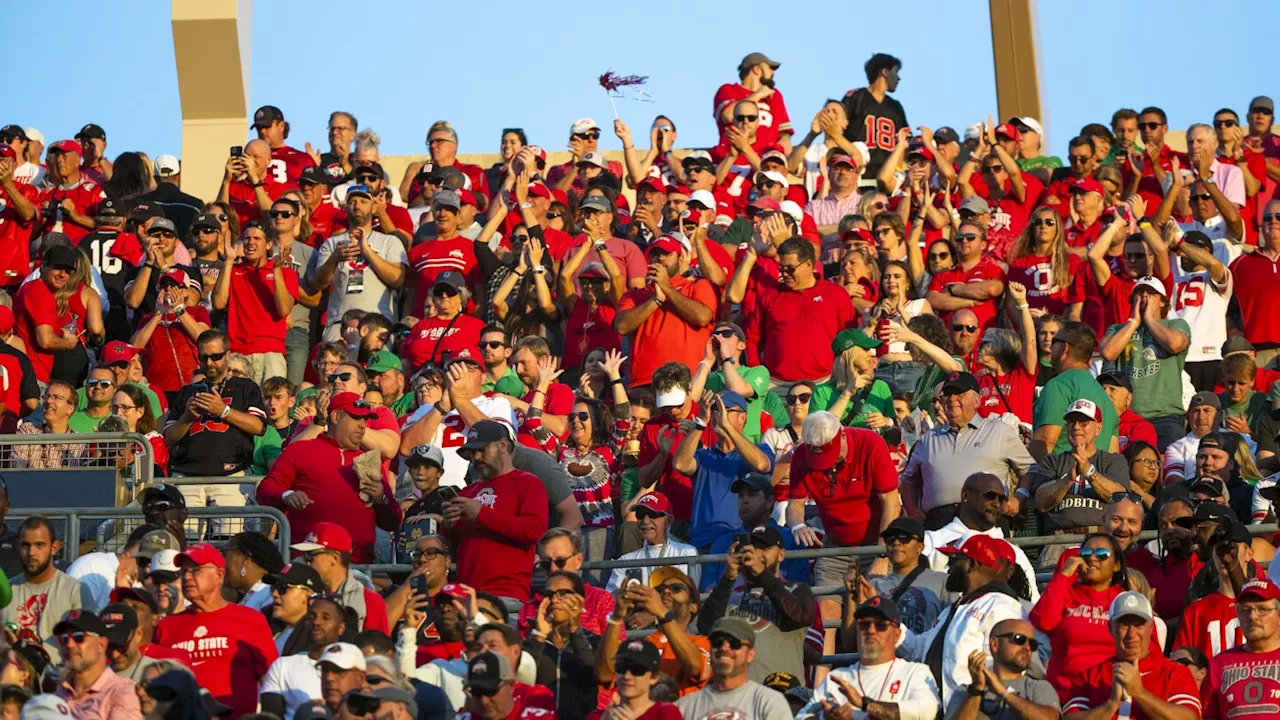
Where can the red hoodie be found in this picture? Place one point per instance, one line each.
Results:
(1077, 620)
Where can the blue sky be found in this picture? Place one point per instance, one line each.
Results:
(402, 64)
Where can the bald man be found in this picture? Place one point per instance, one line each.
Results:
(250, 183)
(965, 331)
(1007, 692)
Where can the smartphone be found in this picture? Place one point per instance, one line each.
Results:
(361, 705)
(237, 150)
(418, 584)
(200, 387)
(447, 493)
(635, 574)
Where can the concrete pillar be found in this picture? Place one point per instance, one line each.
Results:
(211, 47)
(1017, 61)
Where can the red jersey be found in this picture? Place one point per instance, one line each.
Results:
(434, 338)
(15, 236)
(1242, 685)
(287, 164)
(322, 219)
(522, 710)
(84, 194)
(231, 649)
(253, 325)
(1135, 427)
(1008, 214)
(169, 358)
(843, 500)
(798, 327)
(664, 336)
(495, 552)
(981, 272)
(1161, 676)
(1257, 291)
(244, 201)
(1170, 578)
(586, 329)
(774, 120)
(1082, 236)
(677, 486)
(1036, 273)
(433, 257)
(1149, 188)
(35, 306)
(1014, 392)
(1210, 624)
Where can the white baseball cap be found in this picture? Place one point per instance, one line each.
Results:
(165, 561)
(343, 655)
(973, 132)
(34, 135)
(790, 207)
(167, 166)
(864, 155)
(773, 175)
(703, 198)
(1033, 124)
(582, 125)
(46, 707)
(1152, 283)
(1086, 408)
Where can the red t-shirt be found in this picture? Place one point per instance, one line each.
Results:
(34, 306)
(85, 194)
(287, 164)
(1257, 289)
(1135, 427)
(522, 709)
(657, 711)
(431, 338)
(169, 358)
(1082, 236)
(586, 329)
(1036, 273)
(15, 236)
(1077, 620)
(433, 257)
(664, 336)
(1210, 624)
(1016, 393)
(322, 220)
(1161, 677)
(1149, 188)
(774, 120)
(244, 201)
(1170, 579)
(559, 401)
(843, 500)
(1008, 215)
(231, 649)
(495, 552)
(400, 218)
(1241, 685)
(984, 270)
(798, 327)
(253, 325)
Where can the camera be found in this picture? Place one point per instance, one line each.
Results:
(237, 150)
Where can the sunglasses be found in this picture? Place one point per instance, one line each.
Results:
(725, 333)
(491, 344)
(365, 179)
(520, 238)
(672, 588)
(878, 625)
(581, 416)
(992, 495)
(589, 135)
(1270, 217)
(904, 539)
(282, 214)
(214, 357)
(282, 588)
(940, 256)
(343, 376)
(1102, 554)
(1205, 197)
(642, 513)
(993, 169)
(789, 269)
(552, 216)
(1135, 256)
(558, 563)
(1019, 639)
(1186, 662)
(1149, 125)
(484, 692)
(207, 231)
(95, 383)
(1079, 159)
(967, 237)
(721, 638)
(630, 669)
(964, 328)
(882, 231)
(1225, 123)
(221, 217)
(745, 118)
(444, 291)
(76, 636)
(1044, 222)
(799, 398)
(161, 234)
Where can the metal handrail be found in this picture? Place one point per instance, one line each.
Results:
(145, 470)
(213, 480)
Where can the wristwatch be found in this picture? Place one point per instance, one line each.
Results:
(669, 617)
(975, 691)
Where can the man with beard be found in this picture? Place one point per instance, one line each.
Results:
(918, 591)
(87, 683)
(342, 670)
(362, 267)
(1171, 575)
(672, 598)
(874, 117)
(756, 83)
(292, 680)
(496, 521)
(388, 217)
(1239, 679)
(1004, 691)
(328, 549)
(755, 509)
(42, 594)
(499, 376)
(907, 691)
(1137, 683)
(982, 503)
(731, 693)
(985, 573)
(204, 240)
(1206, 623)
(653, 519)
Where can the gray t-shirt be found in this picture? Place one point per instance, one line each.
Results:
(920, 604)
(39, 607)
(751, 701)
(1081, 506)
(302, 255)
(1039, 692)
(355, 285)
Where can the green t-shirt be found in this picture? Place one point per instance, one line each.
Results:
(776, 409)
(82, 423)
(922, 398)
(879, 398)
(508, 384)
(1065, 388)
(266, 448)
(1044, 161)
(82, 400)
(403, 406)
(758, 378)
(1155, 373)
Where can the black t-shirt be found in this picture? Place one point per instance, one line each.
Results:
(875, 123)
(421, 519)
(116, 273)
(213, 446)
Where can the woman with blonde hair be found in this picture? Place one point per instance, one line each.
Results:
(1040, 262)
(899, 302)
(57, 314)
(860, 277)
(853, 393)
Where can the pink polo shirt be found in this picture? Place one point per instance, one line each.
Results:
(110, 697)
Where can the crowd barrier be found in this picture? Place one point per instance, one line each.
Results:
(82, 460)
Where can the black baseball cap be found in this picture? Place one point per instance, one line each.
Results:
(765, 536)
(14, 130)
(208, 221)
(481, 434)
(752, 481)
(369, 166)
(958, 382)
(63, 256)
(1197, 238)
(487, 671)
(145, 211)
(1206, 512)
(266, 115)
(120, 621)
(121, 594)
(878, 607)
(111, 208)
(904, 526)
(83, 621)
(945, 134)
(162, 491)
(298, 575)
(1213, 486)
(91, 132)
(1118, 379)
(313, 175)
(641, 653)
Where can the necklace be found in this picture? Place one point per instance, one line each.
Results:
(887, 675)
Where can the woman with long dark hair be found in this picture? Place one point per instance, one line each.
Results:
(1144, 475)
(1009, 361)
(130, 178)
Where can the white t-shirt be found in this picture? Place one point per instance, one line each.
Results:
(373, 296)
(294, 678)
(909, 685)
(1203, 304)
(672, 548)
(96, 572)
(451, 434)
(29, 173)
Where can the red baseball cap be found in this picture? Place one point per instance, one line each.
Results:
(983, 549)
(666, 244)
(920, 149)
(451, 591)
(353, 405)
(682, 189)
(860, 233)
(179, 277)
(118, 351)
(201, 554)
(655, 502)
(825, 457)
(6, 319)
(843, 158)
(67, 146)
(653, 183)
(1087, 185)
(467, 197)
(540, 154)
(1260, 588)
(764, 202)
(1009, 131)
(325, 535)
(560, 196)
(540, 190)
(773, 151)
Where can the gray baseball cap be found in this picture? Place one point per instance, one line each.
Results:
(599, 202)
(447, 198)
(1262, 102)
(975, 204)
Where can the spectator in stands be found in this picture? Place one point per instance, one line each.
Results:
(1246, 412)
(293, 679)
(653, 517)
(233, 643)
(1254, 291)
(450, 333)
(1071, 352)
(178, 206)
(1137, 675)
(564, 651)
(258, 294)
(733, 651)
(58, 403)
(291, 591)
(671, 318)
(1071, 488)
(343, 671)
(1004, 689)
(490, 687)
(912, 691)
(560, 550)
(725, 351)
(495, 351)
(328, 549)
(100, 388)
(1207, 622)
(638, 665)
(854, 393)
(974, 282)
(362, 268)
(72, 201)
(496, 521)
(42, 594)
(918, 591)
(1204, 416)
(87, 683)
(166, 338)
(250, 184)
(780, 612)
(251, 558)
(669, 601)
(946, 456)
(1131, 427)
(214, 433)
(58, 311)
(124, 636)
(1258, 614)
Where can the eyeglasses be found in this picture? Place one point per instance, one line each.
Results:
(438, 140)
(721, 638)
(1079, 159)
(562, 593)
(1102, 554)
(992, 495)
(725, 333)
(583, 416)
(282, 214)
(558, 563)
(882, 231)
(1149, 462)
(630, 669)
(1149, 125)
(1259, 610)
(1270, 217)
(212, 357)
(1044, 222)
(877, 625)
(98, 382)
(672, 588)
(343, 376)
(117, 409)
(76, 636)
(589, 135)
(444, 291)
(964, 328)
(1225, 123)
(789, 269)
(967, 237)
(1019, 639)
(427, 554)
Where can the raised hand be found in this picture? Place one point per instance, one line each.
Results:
(612, 365)
(548, 371)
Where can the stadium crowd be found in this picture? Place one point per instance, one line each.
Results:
(845, 332)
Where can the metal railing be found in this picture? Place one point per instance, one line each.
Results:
(213, 480)
(70, 451)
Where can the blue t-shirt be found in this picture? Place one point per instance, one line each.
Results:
(715, 507)
(795, 570)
